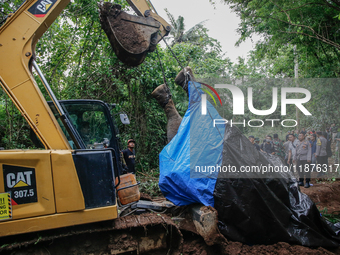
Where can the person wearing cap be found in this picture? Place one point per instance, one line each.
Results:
(252, 140)
(321, 144)
(129, 156)
(303, 158)
(321, 152)
(257, 140)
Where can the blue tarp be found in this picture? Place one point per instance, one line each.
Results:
(197, 144)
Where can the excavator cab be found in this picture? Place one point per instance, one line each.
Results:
(93, 121)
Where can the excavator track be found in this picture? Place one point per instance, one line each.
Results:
(148, 233)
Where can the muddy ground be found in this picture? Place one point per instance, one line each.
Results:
(194, 245)
(325, 194)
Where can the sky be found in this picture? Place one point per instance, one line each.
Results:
(222, 22)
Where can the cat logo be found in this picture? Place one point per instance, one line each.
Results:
(44, 5)
(20, 179)
(21, 183)
(41, 7)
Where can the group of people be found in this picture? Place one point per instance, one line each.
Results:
(304, 150)
(272, 145)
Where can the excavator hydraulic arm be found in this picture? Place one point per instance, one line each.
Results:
(145, 9)
(18, 37)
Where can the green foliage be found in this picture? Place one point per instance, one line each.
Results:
(150, 187)
(7, 7)
(292, 32)
(331, 217)
(14, 130)
(310, 25)
(195, 35)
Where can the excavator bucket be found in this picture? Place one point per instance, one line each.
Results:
(131, 37)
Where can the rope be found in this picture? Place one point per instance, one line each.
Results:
(160, 63)
(187, 79)
(164, 79)
(173, 54)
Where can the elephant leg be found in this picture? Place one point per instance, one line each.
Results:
(163, 97)
(183, 77)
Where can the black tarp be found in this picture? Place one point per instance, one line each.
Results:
(257, 210)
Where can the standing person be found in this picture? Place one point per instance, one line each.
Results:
(302, 158)
(337, 148)
(262, 144)
(287, 136)
(328, 146)
(252, 140)
(292, 148)
(328, 134)
(268, 145)
(313, 147)
(286, 148)
(334, 132)
(321, 153)
(257, 141)
(129, 156)
(278, 146)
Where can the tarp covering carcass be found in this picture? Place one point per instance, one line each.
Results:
(253, 208)
(176, 158)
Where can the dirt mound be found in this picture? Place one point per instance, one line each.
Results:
(195, 245)
(279, 248)
(324, 195)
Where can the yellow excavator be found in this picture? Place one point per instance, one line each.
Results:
(73, 181)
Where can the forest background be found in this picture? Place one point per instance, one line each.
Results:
(79, 63)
